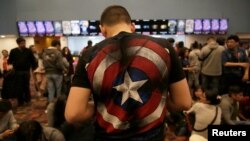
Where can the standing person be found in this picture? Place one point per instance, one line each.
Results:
(40, 77)
(54, 67)
(211, 69)
(87, 49)
(22, 60)
(194, 66)
(235, 64)
(8, 77)
(132, 79)
(70, 70)
(171, 41)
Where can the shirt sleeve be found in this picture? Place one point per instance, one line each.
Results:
(224, 58)
(80, 78)
(12, 121)
(245, 58)
(57, 136)
(225, 107)
(33, 61)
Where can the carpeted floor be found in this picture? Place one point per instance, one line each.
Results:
(34, 110)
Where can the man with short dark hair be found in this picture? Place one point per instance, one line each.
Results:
(235, 64)
(230, 106)
(132, 78)
(22, 60)
(171, 41)
(54, 67)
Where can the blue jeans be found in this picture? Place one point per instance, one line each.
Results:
(210, 82)
(54, 85)
(193, 79)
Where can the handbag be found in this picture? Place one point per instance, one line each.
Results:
(212, 122)
(190, 120)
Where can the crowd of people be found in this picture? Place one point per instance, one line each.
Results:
(127, 87)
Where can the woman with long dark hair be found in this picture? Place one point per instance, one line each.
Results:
(70, 70)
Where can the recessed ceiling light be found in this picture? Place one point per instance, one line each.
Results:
(2, 36)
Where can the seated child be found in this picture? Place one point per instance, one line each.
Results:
(33, 131)
(8, 123)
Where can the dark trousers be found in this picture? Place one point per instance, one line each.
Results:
(230, 80)
(8, 86)
(22, 83)
(210, 82)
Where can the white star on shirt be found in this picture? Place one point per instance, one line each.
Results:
(129, 89)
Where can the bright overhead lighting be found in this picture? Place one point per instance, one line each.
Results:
(2, 36)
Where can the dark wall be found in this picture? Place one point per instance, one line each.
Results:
(8, 17)
(236, 10)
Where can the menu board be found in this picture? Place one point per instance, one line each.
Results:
(66, 27)
(206, 26)
(181, 27)
(22, 28)
(223, 26)
(93, 27)
(31, 28)
(189, 26)
(75, 27)
(163, 27)
(146, 27)
(172, 26)
(84, 24)
(49, 28)
(201, 26)
(197, 26)
(40, 28)
(154, 27)
(215, 25)
(58, 28)
(138, 26)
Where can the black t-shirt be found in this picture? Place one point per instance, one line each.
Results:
(129, 75)
(22, 59)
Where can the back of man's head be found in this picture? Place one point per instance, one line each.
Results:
(55, 43)
(29, 131)
(195, 45)
(115, 14)
(211, 40)
(234, 89)
(221, 41)
(171, 40)
(90, 43)
(180, 44)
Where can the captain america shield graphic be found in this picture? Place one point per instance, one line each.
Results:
(132, 93)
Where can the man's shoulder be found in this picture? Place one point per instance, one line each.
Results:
(225, 100)
(14, 49)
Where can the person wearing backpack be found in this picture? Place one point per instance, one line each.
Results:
(132, 78)
(207, 112)
(211, 68)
